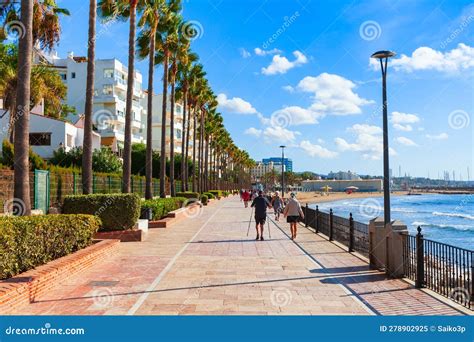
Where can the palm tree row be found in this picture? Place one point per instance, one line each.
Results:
(216, 160)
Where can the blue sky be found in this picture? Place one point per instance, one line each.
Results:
(298, 73)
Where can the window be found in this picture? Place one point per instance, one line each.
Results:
(68, 140)
(63, 76)
(107, 89)
(178, 134)
(108, 73)
(40, 139)
(73, 75)
(120, 113)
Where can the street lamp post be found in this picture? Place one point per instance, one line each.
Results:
(282, 171)
(383, 57)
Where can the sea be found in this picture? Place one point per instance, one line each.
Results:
(444, 218)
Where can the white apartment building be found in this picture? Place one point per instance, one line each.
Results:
(261, 169)
(110, 89)
(157, 123)
(341, 175)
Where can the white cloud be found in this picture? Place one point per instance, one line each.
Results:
(333, 94)
(405, 141)
(235, 105)
(261, 52)
(253, 132)
(317, 150)
(294, 115)
(280, 65)
(244, 53)
(320, 141)
(441, 136)
(402, 121)
(279, 134)
(368, 141)
(288, 88)
(425, 58)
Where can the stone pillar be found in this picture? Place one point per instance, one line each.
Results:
(386, 246)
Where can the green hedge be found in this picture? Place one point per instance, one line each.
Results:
(209, 195)
(204, 199)
(162, 206)
(216, 193)
(27, 242)
(117, 211)
(188, 194)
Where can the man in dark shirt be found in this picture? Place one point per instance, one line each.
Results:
(261, 204)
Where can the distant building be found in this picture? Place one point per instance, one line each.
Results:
(110, 90)
(261, 169)
(341, 185)
(288, 163)
(341, 175)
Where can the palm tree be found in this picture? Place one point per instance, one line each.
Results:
(21, 177)
(146, 45)
(87, 146)
(125, 9)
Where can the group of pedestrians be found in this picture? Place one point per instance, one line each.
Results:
(290, 208)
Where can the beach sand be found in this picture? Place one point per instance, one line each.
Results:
(317, 197)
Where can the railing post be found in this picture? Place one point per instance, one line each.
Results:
(330, 224)
(420, 264)
(316, 230)
(306, 216)
(351, 233)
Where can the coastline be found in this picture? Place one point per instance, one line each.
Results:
(314, 197)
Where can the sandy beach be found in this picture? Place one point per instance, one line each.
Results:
(318, 197)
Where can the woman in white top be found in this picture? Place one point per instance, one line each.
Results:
(293, 213)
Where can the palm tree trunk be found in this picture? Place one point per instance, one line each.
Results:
(149, 120)
(163, 127)
(186, 170)
(183, 143)
(201, 159)
(206, 165)
(172, 185)
(127, 148)
(87, 146)
(22, 124)
(199, 185)
(194, 149)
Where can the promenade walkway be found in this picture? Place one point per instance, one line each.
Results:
(207, 265)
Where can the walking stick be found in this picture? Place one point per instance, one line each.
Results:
(250, 220)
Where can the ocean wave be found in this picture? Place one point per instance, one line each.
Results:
(466, 216)
(463, 227)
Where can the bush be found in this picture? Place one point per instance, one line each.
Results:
(216, 193)
(162, 206)
(103, 160)
(36, 162)
(30, 241)
(117, 211)
(209, 195)
(204, 199)
(225, 193)
(188, 194)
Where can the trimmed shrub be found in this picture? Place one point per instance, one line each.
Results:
(216, 193)
(209, 195)
(117, 211)
(162, 206)
(225, 193)
(204, 199)
(30, 241)
(188, 194)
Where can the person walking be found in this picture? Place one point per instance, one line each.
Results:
(293, 213)
(277, 204)
(246, 198)
(261, 204)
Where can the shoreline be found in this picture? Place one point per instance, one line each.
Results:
(315, 197)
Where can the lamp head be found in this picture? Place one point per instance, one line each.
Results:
(383, 54)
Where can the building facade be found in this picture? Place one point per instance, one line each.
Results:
(288, 163)
(110, 90)
(260, 169)
(342, 175)
(367, 185)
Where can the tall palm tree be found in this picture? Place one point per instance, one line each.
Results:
(21, 177)
(126, 9)
(87, 146)
(146, 46)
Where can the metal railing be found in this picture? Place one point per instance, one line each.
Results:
(347, 231)
(445, 269)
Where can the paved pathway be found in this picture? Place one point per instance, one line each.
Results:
(207, 265)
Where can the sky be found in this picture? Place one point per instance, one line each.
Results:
(299, 73)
